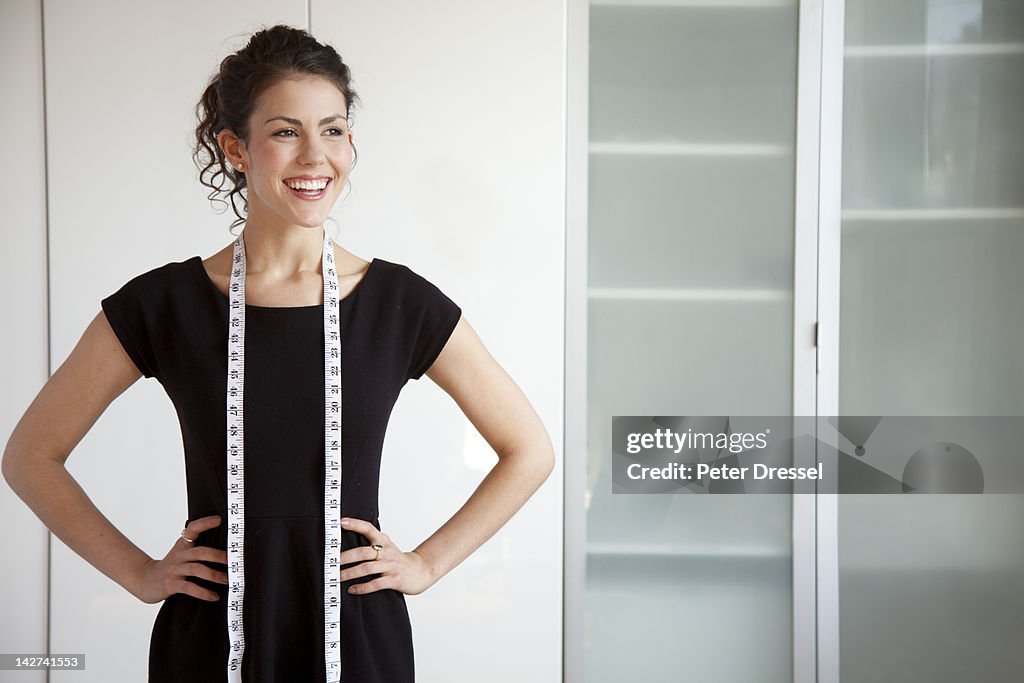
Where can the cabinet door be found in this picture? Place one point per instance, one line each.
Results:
(930, 324)
(121, 82)
(689, 295)
(460, 175)
(23, 281)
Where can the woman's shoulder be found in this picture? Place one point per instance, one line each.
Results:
(406, 282)
(162, 278)
(401, 273)
(409, 288)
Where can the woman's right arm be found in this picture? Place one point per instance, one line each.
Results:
(97, 371)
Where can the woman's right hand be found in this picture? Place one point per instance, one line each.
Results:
(160, 579)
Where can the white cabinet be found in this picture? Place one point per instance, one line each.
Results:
(687, 283)
(931, 316)
(791, 209)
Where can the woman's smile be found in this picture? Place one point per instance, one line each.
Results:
(309, 190)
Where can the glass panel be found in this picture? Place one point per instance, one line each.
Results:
(691, 185)
(931, 324)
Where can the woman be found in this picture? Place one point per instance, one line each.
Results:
(263, 315)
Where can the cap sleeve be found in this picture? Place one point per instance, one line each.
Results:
(430, 320)
(129, 311)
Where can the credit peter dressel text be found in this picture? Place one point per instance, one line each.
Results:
(701, 471)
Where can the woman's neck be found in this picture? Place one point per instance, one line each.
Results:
(281, 251)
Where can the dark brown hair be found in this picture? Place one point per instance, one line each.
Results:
(272, 54)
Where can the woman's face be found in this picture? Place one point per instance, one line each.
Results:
(298, 141)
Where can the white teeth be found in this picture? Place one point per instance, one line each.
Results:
(307, 184)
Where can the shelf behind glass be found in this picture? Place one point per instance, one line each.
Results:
(938, 132)
(677, 223)
(700, 73)
(884, 22)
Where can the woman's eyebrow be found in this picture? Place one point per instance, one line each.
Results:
(296, 122)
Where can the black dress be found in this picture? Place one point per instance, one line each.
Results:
(172, 322)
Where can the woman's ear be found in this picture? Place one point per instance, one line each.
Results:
(233, 148)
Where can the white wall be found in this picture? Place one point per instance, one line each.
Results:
(24, 345)
(460, 177)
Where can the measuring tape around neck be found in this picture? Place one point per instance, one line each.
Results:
(236, 464)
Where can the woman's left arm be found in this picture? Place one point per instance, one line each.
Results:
(499, 410)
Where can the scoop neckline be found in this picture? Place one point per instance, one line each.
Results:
(224, 297)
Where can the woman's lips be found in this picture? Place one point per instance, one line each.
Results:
(309, 196)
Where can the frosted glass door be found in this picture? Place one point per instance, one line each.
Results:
(690, 309)
(931, 324)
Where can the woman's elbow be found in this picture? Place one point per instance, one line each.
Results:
(541, 461)
(12, 464)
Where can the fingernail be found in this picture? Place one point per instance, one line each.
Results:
(345, 521)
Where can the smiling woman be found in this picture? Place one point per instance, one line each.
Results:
(282, 571)
(283, 159)
(229, 123)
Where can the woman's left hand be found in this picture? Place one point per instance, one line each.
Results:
(404, 572)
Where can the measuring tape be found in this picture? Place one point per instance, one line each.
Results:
(236, 464)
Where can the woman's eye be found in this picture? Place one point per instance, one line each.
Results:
(283, 133)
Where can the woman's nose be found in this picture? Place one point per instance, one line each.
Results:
(312, 151)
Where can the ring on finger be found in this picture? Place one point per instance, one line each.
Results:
(378, 547)
(190, 540)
